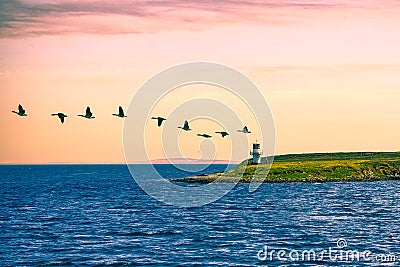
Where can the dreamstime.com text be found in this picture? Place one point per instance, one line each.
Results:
(339, 253)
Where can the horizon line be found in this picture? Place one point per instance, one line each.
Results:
(165, 161)
(139, 162)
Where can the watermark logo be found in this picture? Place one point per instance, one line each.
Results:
(243, 94)
(341, 243)
(340, 253)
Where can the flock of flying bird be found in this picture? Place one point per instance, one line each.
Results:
(89, 115)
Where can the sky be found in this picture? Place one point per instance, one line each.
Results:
(328, 69)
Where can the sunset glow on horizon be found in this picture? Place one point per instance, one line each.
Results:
(328, 69)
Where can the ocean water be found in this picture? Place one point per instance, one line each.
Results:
(96, 215)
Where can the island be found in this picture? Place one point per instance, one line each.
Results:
(311, 167)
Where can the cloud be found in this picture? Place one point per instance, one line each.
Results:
(19, 18)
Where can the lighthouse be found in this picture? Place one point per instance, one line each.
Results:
(256, 153)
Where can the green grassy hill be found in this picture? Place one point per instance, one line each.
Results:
(314, 167)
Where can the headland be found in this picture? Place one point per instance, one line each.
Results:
(311, 167)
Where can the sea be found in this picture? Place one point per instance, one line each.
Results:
(97, 215)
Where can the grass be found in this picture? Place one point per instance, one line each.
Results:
(315, 167)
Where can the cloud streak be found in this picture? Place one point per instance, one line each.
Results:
(20, 18)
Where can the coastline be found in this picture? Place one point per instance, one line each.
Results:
(312, 168)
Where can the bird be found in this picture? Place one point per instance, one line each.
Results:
(185, 126)
(62, 116)
(159, 120)
(223, 134)
(88, 115)
(120, 113)
(21, 111)
(245, 130)
(204, 135)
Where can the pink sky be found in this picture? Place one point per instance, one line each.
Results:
(329, 70)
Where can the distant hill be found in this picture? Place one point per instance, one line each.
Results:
(185, 161)
(337, 156)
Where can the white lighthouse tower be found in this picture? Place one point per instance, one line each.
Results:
(256, 153)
